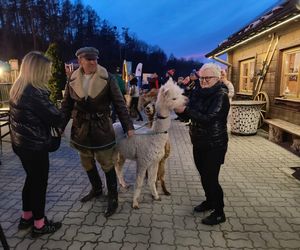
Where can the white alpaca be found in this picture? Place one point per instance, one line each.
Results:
(148, 148)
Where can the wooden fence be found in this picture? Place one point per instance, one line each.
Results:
(4, 93)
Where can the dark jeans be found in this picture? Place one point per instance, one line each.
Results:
(134, 105)
(208, 163)
(36, 166)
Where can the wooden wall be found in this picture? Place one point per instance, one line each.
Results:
(289, 37)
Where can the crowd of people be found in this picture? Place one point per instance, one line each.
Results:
(94, 98)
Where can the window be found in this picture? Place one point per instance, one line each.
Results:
(246, 76)
(290, 75)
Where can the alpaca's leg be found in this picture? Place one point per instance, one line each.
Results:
(161, 169)
(119, 170)
(138, 185)
(151, 119)
(152, 172)
(167, 149)
(161, 176)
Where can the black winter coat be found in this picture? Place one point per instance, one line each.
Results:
(208, 109)
(31, 119)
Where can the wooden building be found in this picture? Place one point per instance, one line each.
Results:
(264, 61)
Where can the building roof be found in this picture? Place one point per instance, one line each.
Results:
(271, 19)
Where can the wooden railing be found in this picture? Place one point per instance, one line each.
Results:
(4, 93)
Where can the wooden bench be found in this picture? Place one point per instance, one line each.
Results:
(278, 126)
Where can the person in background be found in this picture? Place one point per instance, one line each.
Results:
(32, 115)
(180, 81)
(122, 88)
(169, 74)
(135, 93)
(153, 81)
(230, 88)
(185, 82)
(120, 81)
(88, 96)
(208, 109)
(228, 84)
(145, 86)
(192, 84)
(68, 71)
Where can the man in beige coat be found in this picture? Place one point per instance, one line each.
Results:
(87, 99)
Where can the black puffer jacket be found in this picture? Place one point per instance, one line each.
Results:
(208, 109)
(31, 118)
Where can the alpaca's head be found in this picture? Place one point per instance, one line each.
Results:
(150, 112)
(146, 98)
(150, 109)
(170, 95)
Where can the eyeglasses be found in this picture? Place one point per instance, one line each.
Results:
(207, 78)
(91, 59)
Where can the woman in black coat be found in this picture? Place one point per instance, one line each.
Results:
(208, 108)
(32, 115)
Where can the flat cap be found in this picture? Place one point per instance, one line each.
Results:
(87, 52)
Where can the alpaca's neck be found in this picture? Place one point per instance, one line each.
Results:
(161, 125)
(162, 120)
(162, 110)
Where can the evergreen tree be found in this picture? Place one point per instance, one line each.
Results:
(58, 78)
(27, 25)
(66, 20)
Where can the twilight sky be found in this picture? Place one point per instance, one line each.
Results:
(186, 28)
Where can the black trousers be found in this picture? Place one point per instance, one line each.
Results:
(208, 163)
(134, 105)
(36, 166)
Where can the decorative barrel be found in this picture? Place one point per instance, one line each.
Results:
(245, 116)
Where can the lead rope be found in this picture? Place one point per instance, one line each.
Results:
(113, 142)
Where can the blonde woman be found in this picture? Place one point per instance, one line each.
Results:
(32, 115)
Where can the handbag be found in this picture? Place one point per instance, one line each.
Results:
(55, 140)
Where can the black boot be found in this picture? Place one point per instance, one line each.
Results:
(95, 180)
(112, 186)
(216, 217)
(203, 207)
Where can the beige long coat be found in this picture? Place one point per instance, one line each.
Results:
(92, 127)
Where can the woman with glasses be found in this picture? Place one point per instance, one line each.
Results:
(208, 109)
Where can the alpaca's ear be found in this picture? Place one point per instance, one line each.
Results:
(170, 80)
(165, 91)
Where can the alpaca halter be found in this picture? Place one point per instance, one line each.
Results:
(161, 117)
